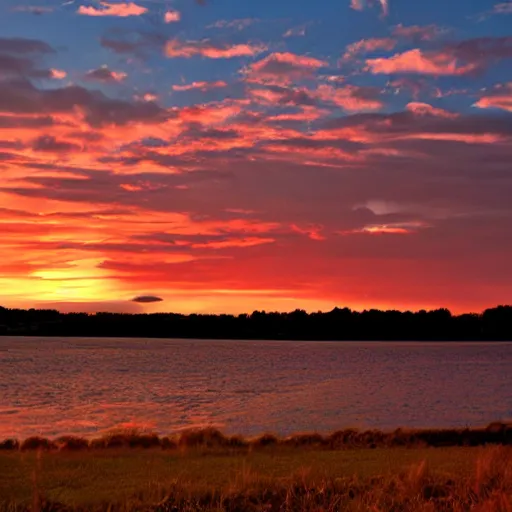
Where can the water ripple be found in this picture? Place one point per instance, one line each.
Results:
(86, 386)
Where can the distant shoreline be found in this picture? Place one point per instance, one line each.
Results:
(290, 340)
(337, 325)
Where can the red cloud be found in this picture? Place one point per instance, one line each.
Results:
(283, 68)
(205, 48)
(415, 61)
(121, 10)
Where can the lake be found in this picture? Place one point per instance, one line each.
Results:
(54, 386)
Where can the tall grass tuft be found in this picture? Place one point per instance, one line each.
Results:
(37, 443)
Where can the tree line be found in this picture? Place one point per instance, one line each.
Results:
(338, 324)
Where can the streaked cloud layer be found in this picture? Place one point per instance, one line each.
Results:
(202, 156)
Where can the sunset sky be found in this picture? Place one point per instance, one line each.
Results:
(233, 155)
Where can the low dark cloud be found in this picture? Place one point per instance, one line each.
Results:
(146, 299)
(28, 122)
(51, 144)
(133, 43)
(24, 46)
(16, 66)
(20, 96)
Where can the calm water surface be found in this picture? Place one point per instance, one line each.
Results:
(52, 386)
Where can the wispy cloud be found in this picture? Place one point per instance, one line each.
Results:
(296, 32)
(238, 24)
(121, 10)
(104, 74)
(368, 46)
(418, 33)
(503, 8)
(359, 5)
(33, 9)
(385, 7)
(283, 68)
(206, 48)
(202, 86)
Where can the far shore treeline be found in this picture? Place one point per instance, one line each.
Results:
(339, 324)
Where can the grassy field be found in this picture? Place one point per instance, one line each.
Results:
(349, 470)
(276, 478)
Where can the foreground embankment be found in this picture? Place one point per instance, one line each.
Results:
(206, 470)
(494, 433)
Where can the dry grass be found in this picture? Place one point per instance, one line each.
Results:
(417, 489)
(204, 470)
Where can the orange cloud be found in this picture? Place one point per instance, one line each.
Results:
(121, 10)
(150, 97)
(415, 61)
(499, 98)
(58, 74)
(205, 48)
(458, 58)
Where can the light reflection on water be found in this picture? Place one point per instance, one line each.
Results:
(85, 386)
